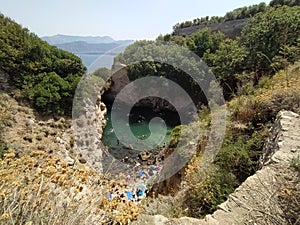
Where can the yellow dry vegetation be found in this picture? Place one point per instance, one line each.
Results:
(282, 91)
(40, 188)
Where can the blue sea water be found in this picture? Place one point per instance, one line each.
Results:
(96, 60)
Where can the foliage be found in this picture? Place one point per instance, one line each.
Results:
(179, 40)
(208, 190)
(240, 153)
(296, 163)
(204, 41)
(269, 42)
(239, 13)
(245, 12)
(227, 63)
(289, 196)
(140, 57)
(103, 73)
(238, 157)
(271, 36)
(175, 136)
(31, 63)
(284, 2)
(276, 93)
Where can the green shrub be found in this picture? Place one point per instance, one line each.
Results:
(37, 71)
(3, 149)
(295, 163)
(240, 152)
(212, 189)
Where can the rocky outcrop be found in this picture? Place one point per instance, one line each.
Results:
(117, 82)
(120, 79)
(256, 200)
(231, 28)
(88, 130)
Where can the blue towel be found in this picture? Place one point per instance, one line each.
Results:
(110, 196)
(129, 195)
(140, 173)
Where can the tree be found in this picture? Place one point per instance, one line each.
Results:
(29, 62)
(49, 92)
(204, 40)
(103, 73)
(227, 63)
(266, 34)
(276, 3)
(144, 50)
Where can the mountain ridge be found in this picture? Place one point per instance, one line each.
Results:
(62, 38)
(89, 48)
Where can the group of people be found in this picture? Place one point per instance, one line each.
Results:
(138, 189)
(135, 194)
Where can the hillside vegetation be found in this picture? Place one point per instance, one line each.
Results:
(268, 43)
(239, 14)
(39, 73)
(259, 73)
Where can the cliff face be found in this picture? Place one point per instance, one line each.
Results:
(120, 79)
(231, 29)
(257, 200)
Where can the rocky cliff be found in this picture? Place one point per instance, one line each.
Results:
(257, 200)
(119, 80)
(231, 28)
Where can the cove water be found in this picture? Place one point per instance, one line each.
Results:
(138, 122)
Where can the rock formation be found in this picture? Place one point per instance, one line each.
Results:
(120, 79)
(231, 28)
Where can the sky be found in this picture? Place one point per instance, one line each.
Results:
(120, 19)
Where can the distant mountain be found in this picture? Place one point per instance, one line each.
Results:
(61, 39)
(83, 47)
(99, 51)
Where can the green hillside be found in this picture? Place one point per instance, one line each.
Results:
(39, 73)
(232, 22)
(268, 43)
(259, 75)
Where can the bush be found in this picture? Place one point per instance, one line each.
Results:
(39, 188)
(289, 196)
(295, 163)
(209, 190)
(37, 71)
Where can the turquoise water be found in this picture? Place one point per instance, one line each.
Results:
(149, 132)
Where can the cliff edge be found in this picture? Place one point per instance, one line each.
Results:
(257, 200)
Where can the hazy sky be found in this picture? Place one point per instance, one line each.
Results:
(120, 19)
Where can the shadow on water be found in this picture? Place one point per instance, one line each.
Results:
(139, 119)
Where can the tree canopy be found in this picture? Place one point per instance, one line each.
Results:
(268, 42)
(271, 38)
(43, 74)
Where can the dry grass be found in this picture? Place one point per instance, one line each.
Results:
(282, 91)
(42, 189)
